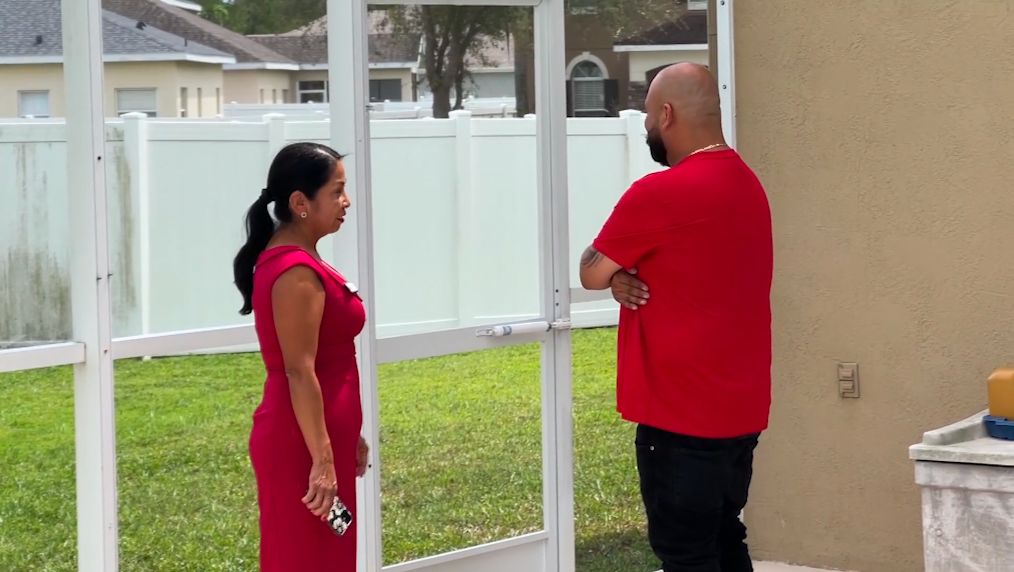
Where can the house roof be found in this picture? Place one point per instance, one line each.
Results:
(691, 28)
(311, 49)
(377, 22)
(308, 45)
(31, 32)
(247, 52)
(300, 49)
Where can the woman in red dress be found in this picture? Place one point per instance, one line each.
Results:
(305, 445)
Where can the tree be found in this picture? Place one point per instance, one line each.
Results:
(216, 11)
(450, 34)
(262, 16)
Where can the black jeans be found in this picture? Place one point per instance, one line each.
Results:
(693, 491)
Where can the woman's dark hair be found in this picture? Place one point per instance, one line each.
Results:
(302, 167)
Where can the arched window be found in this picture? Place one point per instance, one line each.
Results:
(589, 87)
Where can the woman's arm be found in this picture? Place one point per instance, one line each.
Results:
(297, 299)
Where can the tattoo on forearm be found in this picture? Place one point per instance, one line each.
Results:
(590, 257)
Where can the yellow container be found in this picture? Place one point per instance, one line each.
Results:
(1001, 393)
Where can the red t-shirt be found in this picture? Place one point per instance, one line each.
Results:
(696, 359)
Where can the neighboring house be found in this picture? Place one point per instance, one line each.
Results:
(605, 76)
(490, 71)
(259, 74)
(396, 72)
(596, 75)
(147, 69)
(393, 60)
(685, 40)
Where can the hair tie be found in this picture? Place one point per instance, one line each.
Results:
(265, 195)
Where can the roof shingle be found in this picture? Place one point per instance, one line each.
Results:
(33, 29)
(308, 44)
(195, 28)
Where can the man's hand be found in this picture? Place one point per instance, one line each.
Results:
(628, 290)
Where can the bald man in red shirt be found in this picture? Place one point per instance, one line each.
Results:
(688, 253)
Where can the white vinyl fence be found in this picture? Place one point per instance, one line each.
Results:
(480, 107)
(454, 214)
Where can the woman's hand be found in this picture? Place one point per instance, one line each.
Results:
(362, 454)
(323, 488)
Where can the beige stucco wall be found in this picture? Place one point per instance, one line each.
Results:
(168, 78)
(205, 81)
(165, 77)
(43, 77)
(882, 131)
(642, 62)
(244, 86)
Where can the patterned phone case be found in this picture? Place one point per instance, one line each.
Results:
(339, 517)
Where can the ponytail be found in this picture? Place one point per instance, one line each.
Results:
(304, 167)
(259, 229)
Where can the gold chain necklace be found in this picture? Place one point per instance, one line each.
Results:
(708, 148)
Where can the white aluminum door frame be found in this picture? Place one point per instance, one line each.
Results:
(347, 33)
(94, 403)
(725, 36)
(92, 350)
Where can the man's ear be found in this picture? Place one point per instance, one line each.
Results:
(668, 117)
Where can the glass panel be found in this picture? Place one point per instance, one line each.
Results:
(37, 529)
(37, 454)
(460, 451)
(187, 495)
(456, 221)
(189, 148)
(610, 522)
(35, 234)
(179, 189)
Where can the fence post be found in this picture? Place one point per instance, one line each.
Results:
(135, 144)
(635, 142)
(275, 123)
(467, 236)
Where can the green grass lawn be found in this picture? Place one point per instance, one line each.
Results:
(460, 452)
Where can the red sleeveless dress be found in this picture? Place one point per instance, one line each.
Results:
(292, 538)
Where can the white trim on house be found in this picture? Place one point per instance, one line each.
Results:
(660, 48)
(505, 69)
(260, 66)
(588, 57)
(393, 65)
(120, 58)
(373, 66)
(169, 58)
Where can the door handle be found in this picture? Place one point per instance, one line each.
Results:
(522, 328)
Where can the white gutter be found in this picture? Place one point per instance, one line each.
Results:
(120, 58)
(260, 66)
(660, 48)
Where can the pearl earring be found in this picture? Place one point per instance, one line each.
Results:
(302, 215)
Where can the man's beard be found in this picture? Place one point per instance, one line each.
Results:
(657, 148)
